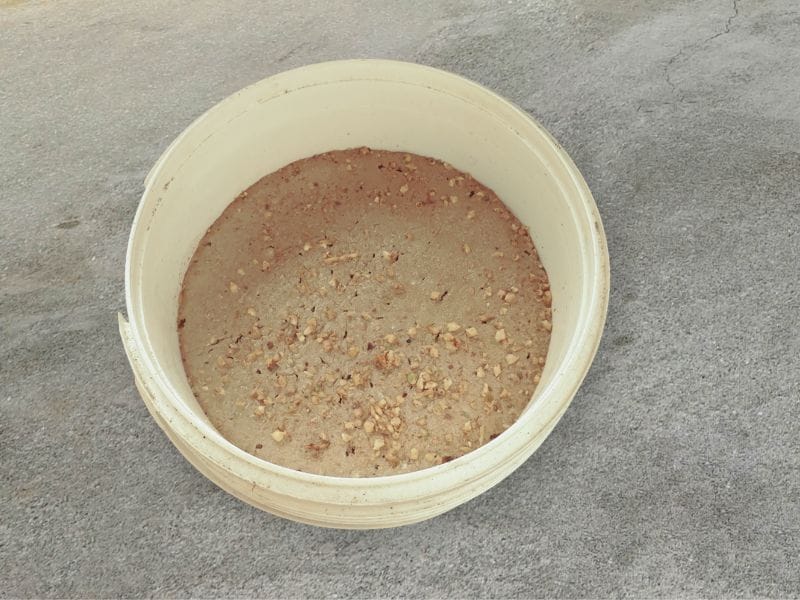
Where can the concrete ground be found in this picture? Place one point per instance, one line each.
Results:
(676, 471)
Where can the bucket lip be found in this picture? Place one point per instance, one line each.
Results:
(560, 390)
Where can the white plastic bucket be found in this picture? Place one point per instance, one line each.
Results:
(387, 105)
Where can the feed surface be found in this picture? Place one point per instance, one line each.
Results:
(362, 313)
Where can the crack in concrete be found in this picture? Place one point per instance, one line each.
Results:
(727, 23)
(683, 50)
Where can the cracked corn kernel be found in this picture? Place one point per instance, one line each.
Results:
(500, 335)
(278, 435)
(471, 332)
(309, 329)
